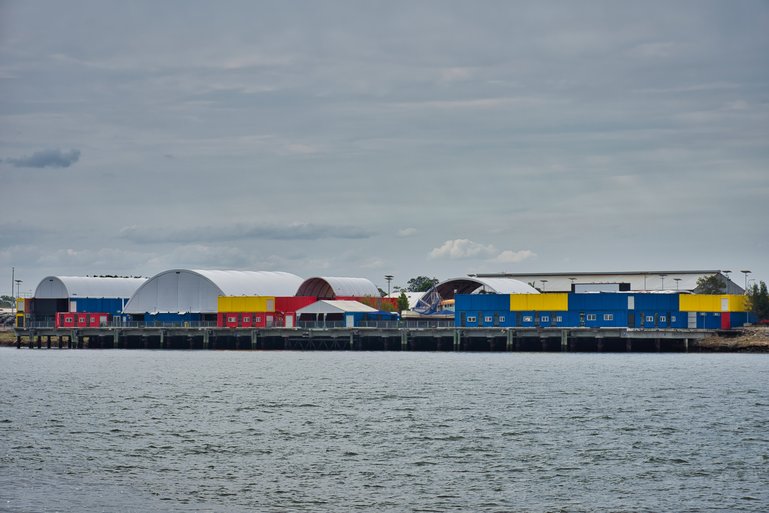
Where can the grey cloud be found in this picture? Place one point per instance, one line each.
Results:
(47, 158)
(294, 231)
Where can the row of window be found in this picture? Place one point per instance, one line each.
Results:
(558, 318)
(245, 319)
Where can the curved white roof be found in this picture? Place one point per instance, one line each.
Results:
(197, 291)
(333, 287)
(58, 287)
(430, 302)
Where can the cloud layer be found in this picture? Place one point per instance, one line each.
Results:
(47, 158)
(465, 249)
(293, 231)
(407, 138)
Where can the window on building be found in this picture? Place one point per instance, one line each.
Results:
(232, 319)
(672, 318)
(501, 318)
(650, 319)
(471, 318)
(527, 318)
(591, 317)
(662, 318)
(488, 318)
(545, 318)
(257, 319)
(246, 318)
(558, 318)
(608, 317)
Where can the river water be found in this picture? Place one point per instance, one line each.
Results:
(152, 431)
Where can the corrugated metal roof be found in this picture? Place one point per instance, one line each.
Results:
(197, 291)
(638, 280)
(335, 286)
(332, 307)
(58, 287)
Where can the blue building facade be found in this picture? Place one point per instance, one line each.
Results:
(633, 310)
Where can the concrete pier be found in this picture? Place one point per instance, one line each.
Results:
(488, 339)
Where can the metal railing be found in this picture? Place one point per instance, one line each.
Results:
(120, 323)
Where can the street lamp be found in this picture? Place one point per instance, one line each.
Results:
(389, 278)
(18, 287)
(543, 284)
(662, 279)
(677, 280)
(746, 273)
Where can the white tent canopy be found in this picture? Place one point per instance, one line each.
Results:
(66, 287)
(197, 291)
(335, 307)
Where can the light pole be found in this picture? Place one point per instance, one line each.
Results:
(13, 279)
(677, 280)
(543, 284)
(662, 279)
(18, 288)
(389, 278)
(746, 273)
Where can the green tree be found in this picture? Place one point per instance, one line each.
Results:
(758, 301)
(421, 284)
(403, 302)
(713, 284)
(6, 302)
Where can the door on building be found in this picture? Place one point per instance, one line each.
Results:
(726, 323)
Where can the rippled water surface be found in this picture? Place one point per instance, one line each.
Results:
(155, 431)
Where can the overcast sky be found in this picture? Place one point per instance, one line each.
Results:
(370, 138)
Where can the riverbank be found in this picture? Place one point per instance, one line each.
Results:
(750, 340)
(7, 337)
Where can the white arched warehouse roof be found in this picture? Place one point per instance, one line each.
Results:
(59, 287)
(325, 287)
(430, 302)
(197, 291)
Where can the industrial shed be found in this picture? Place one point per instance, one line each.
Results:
(195, 292)
(337, 287)
(431, 301)
(81, 294)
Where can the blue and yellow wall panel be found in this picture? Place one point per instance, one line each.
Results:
(539, 302)
(713, 303)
